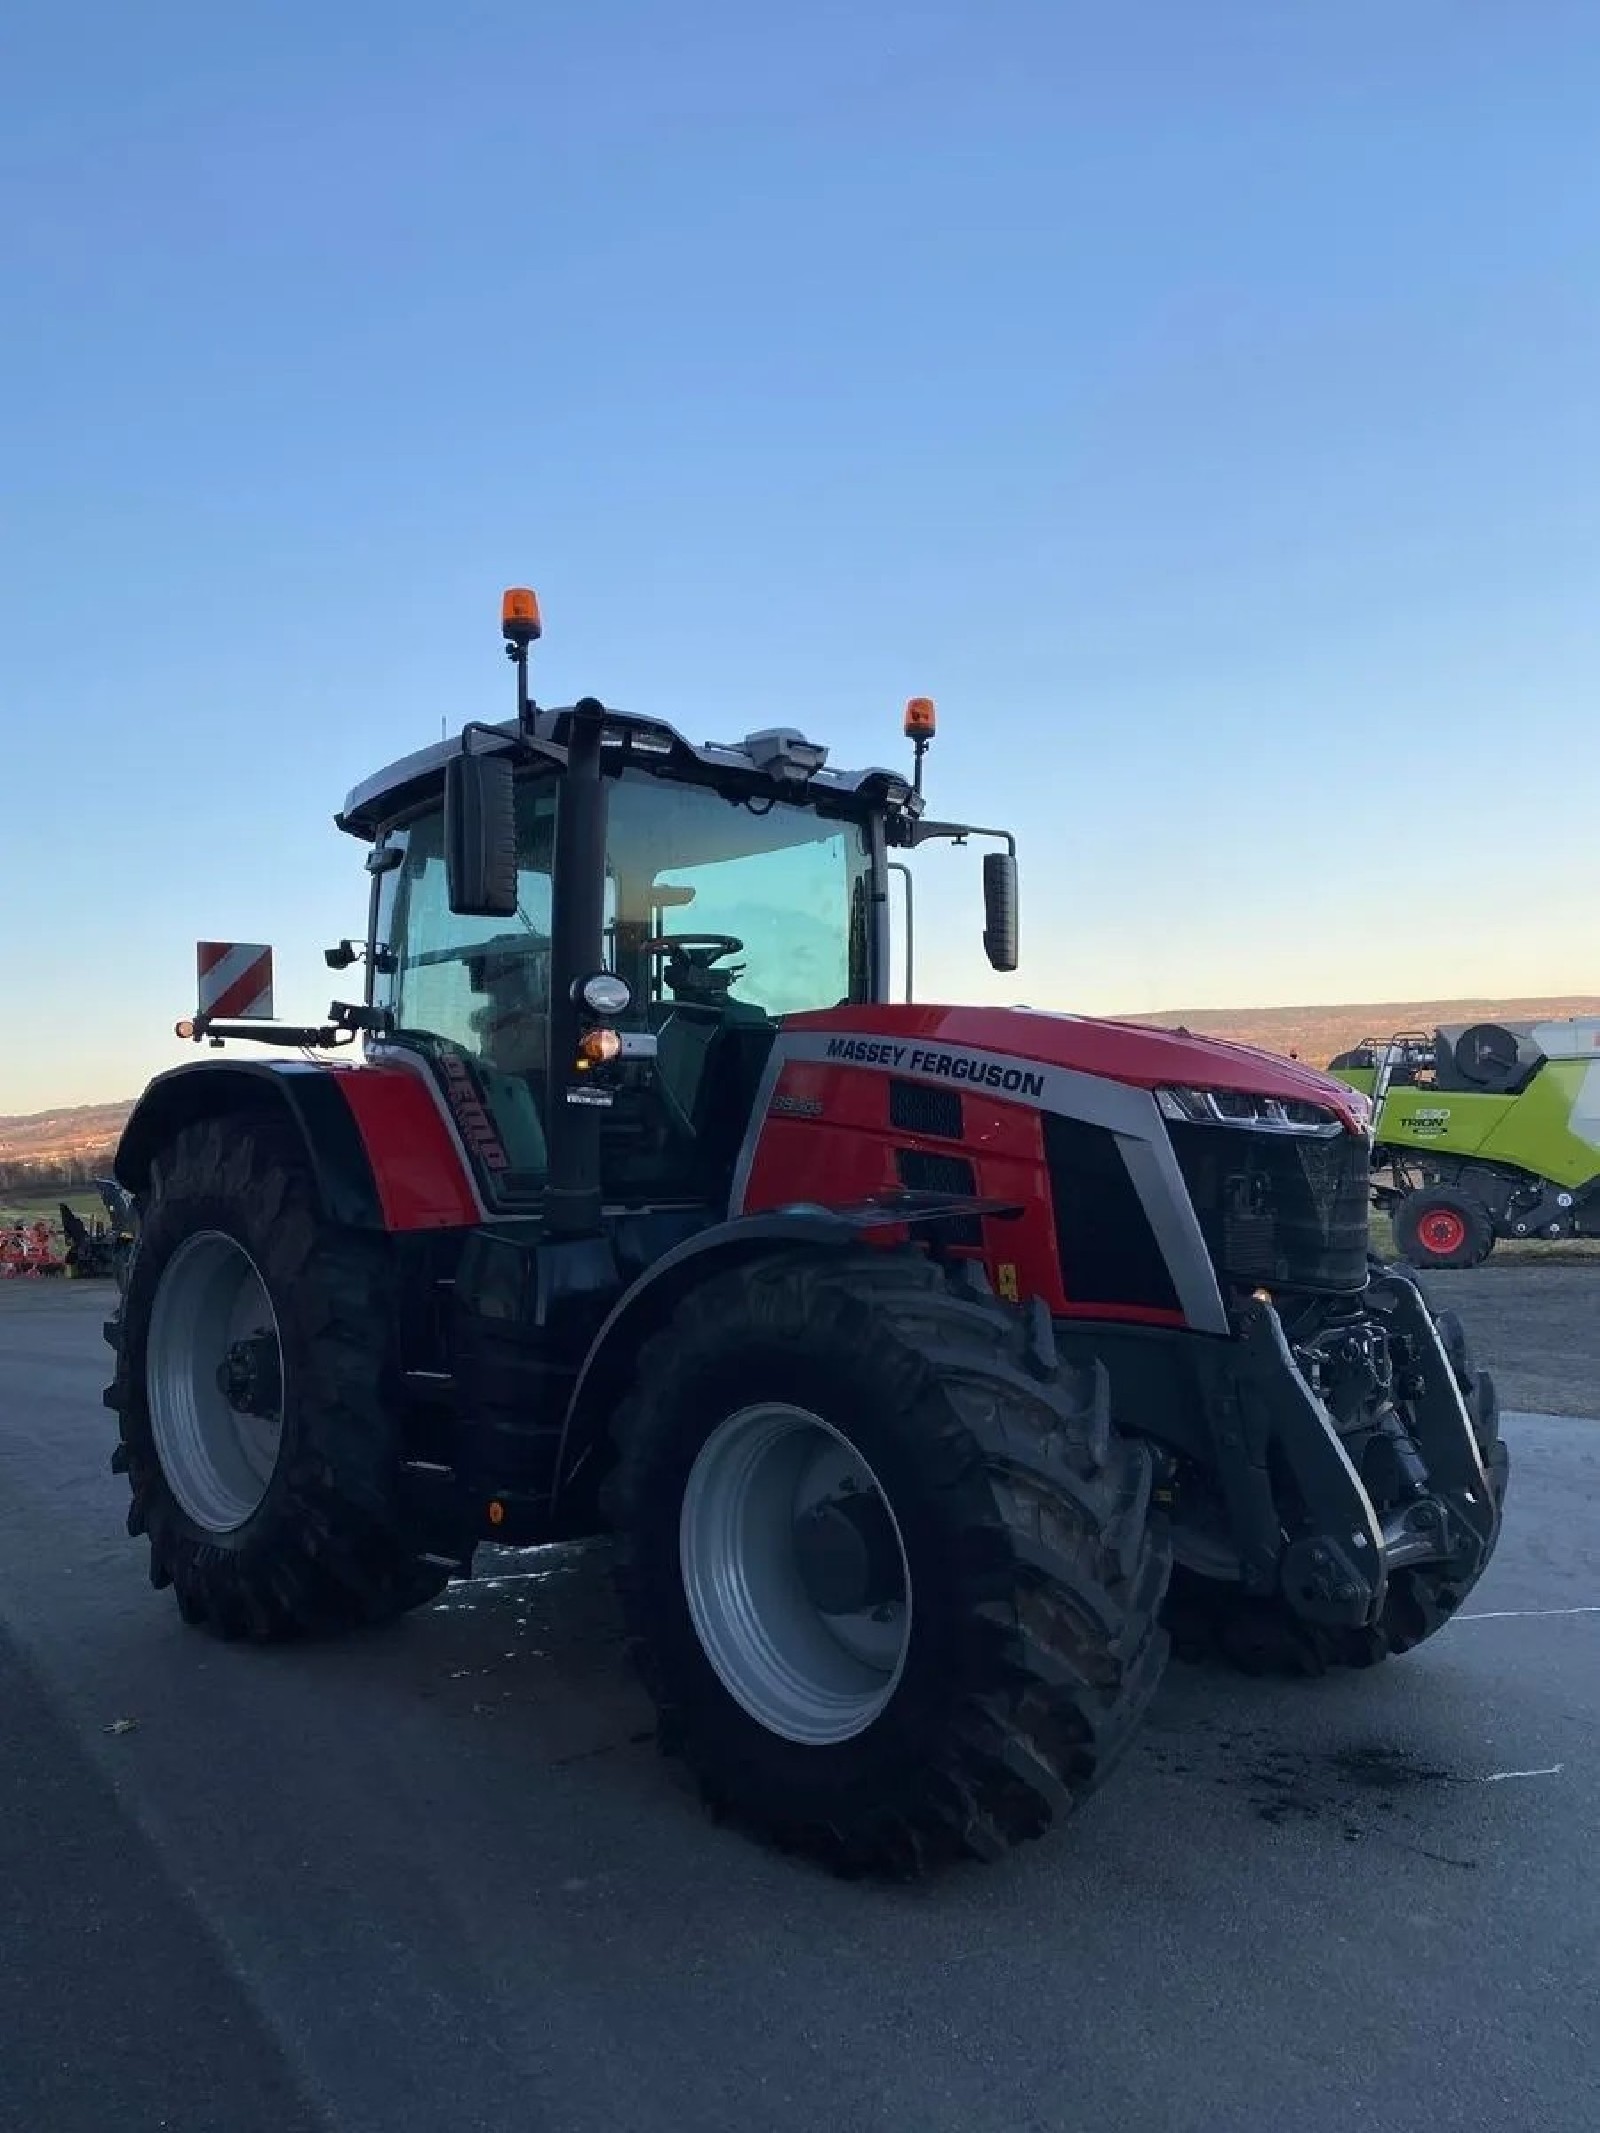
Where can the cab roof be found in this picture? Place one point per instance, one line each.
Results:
(775, 761)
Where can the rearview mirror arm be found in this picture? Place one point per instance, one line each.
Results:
(522, 744)
(957, 833)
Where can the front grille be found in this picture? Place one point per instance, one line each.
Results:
(1279, 1209)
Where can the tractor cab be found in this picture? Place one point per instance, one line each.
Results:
(588, 929)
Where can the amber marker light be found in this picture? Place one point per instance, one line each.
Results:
(597, 1046)
(519, 615)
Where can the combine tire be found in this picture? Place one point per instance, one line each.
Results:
(1210, 1618)
(252, 1353)
(1442, 1227)
(889, 1574)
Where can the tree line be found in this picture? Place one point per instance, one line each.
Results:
(57, 1173)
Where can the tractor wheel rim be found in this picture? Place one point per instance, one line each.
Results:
(1443, 1230)
(211, 1304)
(815, 1677)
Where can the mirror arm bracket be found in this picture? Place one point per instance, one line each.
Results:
(958, 832)
(526, 745)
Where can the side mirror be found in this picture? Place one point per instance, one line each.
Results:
(1000, 909)
(480, 836)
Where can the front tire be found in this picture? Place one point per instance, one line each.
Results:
(962, 1651)
(252, 1359)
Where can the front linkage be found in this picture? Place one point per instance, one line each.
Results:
(1385, 1441)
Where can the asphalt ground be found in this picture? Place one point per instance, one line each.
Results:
(1536, 1326)
(437, 1877)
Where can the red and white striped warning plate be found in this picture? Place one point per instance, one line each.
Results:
(235, 980)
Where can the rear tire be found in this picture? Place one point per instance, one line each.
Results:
(300, 1532)
(1030, 1643)
(1442, 1226)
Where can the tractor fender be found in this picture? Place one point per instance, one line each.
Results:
(646, 1306)
(309, 1097)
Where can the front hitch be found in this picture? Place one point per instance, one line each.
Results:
(1266, 1418)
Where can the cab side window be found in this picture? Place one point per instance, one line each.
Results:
(476, 991)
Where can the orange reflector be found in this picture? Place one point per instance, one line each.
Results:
(596, 1046)
(921, 719)
(184, 1029)
(497, 1514)
(519, 614)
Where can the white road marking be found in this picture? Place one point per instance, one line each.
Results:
(519, 1577)
(1526, 1614)
(1498, 1777)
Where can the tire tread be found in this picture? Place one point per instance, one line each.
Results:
(1061, 1577)
(334, 1552)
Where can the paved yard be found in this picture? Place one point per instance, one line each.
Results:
(438, 1877)
(1537, 1326)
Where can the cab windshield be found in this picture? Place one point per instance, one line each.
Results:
(785, 885)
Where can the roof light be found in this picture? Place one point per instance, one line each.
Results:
(921, 718)
(519, 615)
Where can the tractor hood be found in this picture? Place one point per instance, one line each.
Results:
(1130, 1052)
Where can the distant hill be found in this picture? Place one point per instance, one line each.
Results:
(47, 1138)
(88, 1132)
(1316, 1034)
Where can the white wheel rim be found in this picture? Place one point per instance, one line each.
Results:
(807, 1674)
(211, 1310)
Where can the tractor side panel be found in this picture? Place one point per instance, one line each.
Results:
(836, 1133)
(832, 1135)
(418, 1167)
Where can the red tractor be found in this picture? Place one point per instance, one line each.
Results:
(935, 1368)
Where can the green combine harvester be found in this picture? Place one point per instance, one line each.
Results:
(1482, 1131)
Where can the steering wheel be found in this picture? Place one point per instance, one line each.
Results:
(688, 974)
(700, 950)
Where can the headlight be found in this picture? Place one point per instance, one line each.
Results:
(605, 994)
(1260, 1114)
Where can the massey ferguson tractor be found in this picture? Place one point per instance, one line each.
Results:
(936, 1369)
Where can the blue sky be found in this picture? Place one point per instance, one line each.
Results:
(1199, 400)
